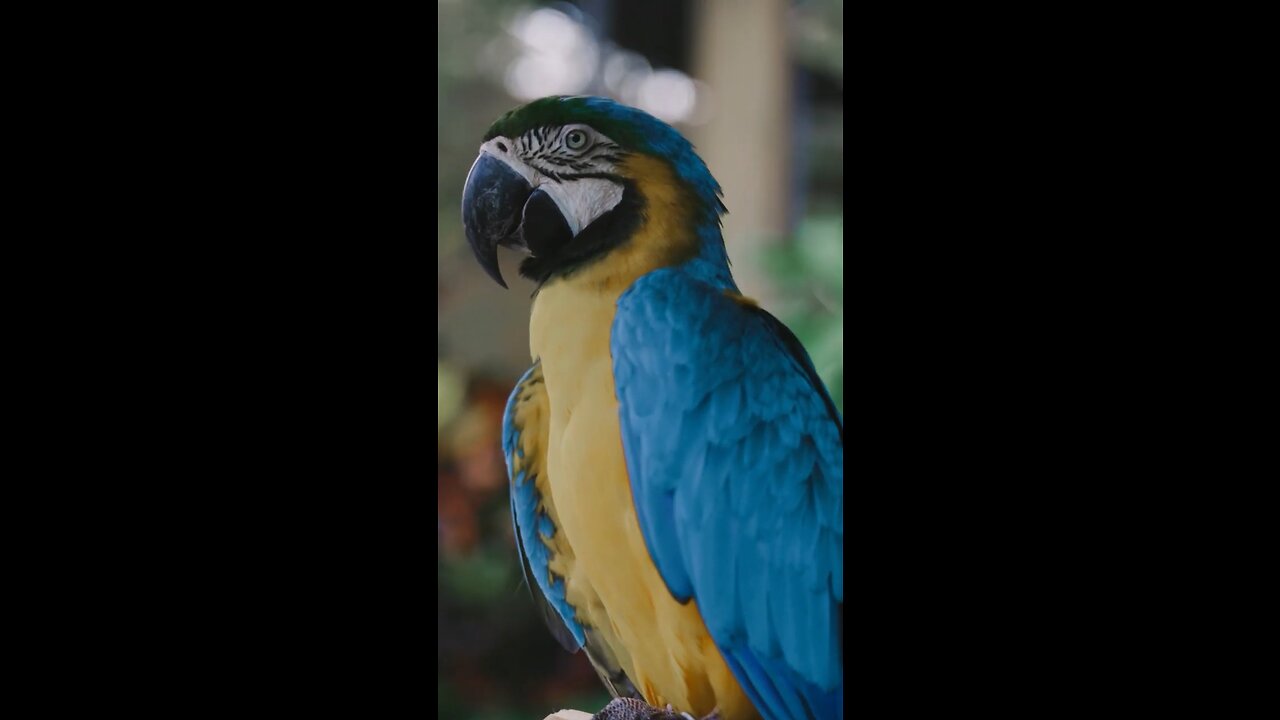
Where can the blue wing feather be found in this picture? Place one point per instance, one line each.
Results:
(735, 456)
(530, 523)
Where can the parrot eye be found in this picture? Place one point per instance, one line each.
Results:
(575, 140)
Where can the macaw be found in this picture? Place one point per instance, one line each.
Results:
(675, 462)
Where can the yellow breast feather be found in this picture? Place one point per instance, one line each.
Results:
(661, 644)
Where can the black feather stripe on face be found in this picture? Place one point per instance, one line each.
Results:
(544, 146)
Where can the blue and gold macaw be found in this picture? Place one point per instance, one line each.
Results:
(676, 463)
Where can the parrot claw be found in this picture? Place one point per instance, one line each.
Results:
(633, 709)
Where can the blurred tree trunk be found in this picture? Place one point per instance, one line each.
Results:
(740, 51)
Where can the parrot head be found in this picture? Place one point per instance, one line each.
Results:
(571, 180)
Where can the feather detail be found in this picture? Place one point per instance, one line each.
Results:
(735, 456)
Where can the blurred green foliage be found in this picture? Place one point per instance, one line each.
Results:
(818, 29)
(809, 271)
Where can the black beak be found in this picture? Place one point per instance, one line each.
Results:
(492, 203)
(500, 207)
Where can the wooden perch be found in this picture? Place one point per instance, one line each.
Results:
(569, 715)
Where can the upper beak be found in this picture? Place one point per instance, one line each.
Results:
(492, 203)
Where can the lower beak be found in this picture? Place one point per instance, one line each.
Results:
(492, 203)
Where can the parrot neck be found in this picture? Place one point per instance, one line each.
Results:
(711, 264)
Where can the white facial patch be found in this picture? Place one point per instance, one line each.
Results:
(581, 201)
